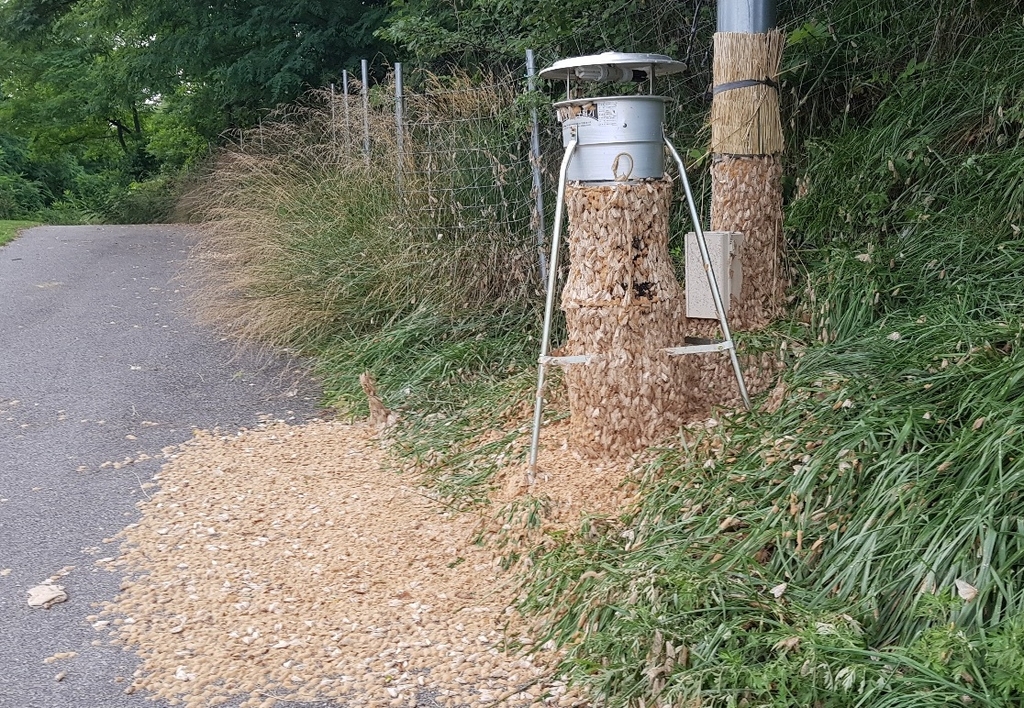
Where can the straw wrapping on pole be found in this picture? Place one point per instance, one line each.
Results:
(745, 119)
(746, 196)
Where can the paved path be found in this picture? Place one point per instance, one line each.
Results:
(98, 363)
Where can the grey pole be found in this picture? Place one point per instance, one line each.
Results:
(399, 128)
(344, 92)
(366, 109)
(538, 184)
(746, 16)
(334, 123)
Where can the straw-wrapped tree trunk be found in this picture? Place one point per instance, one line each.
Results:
(746, 196)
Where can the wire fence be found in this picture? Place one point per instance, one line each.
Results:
(470, 160)
(458, 151)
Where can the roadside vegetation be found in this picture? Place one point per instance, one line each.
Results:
(10, 229)
(854, 541)
(859, 544)
(105, 106)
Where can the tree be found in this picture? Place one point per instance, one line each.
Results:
(125, 87)
(474, 32)
(235, 58)
(66, 76)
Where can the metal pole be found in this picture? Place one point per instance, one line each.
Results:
(538, 184)
(399, 128)
(746, 16)
(366, 109)
(334, 123)
(344, 91)
(549, 306)
(712, 280)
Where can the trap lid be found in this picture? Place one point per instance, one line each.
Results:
(612, 66)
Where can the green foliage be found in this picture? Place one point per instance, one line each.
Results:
(128, 92)
(66, 76)
(175, 143)
(19, 193)
(861, 545)
(71, 96)
(844, 58)
(255, 55)
(10, 229)
(18, 197)
(1006, 659)
(475, 32)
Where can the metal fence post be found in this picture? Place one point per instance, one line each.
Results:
(399, 127)
(538, 184)
(344, 91)
(334, 124)
(366, 109)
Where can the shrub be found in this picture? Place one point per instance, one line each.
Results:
(18, 197)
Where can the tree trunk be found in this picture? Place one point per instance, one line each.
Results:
(746, 196)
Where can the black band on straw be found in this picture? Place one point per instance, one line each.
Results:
(745, 83)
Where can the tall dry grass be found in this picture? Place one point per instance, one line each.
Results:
(302, 238)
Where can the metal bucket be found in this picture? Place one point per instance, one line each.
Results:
(620, 138)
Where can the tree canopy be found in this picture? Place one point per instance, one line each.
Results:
(125, 88)
(96, 95)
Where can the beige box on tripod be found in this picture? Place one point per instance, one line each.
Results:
(725, 249)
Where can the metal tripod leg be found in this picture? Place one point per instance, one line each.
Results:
(712, 280)
(549, 306)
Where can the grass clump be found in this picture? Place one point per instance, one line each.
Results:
(305, 240)
(9, 229)
(861, 544)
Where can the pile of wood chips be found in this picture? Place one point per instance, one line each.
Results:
(294, 563)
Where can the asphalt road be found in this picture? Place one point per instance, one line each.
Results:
(99, 362)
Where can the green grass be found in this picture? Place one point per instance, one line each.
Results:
(451, 379)
(884, 500)
(9, 230)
